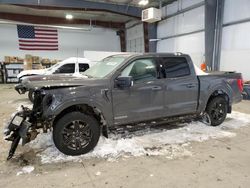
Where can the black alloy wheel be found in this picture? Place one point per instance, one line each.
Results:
(217, 110)
(76, 133)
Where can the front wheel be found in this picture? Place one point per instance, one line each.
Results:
(217, 110)
(76, 133)
(31, 96)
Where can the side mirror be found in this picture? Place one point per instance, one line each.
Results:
(124, 82)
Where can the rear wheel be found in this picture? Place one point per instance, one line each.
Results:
(76, 133)
(31, 95)
(217, 110)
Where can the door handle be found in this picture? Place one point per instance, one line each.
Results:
(156, 88)
(190, 85)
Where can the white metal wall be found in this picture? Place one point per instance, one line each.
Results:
(235, 50)
(193, 20)
(71, 42)
(134, 37)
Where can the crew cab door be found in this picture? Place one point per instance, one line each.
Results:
(144, 99)
(181, 86)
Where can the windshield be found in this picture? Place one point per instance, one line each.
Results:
(104, 67)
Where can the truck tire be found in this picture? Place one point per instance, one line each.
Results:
(31, 95)
(217, 110)
(76, 133)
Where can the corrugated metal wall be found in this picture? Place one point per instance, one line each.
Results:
(183, 32)
(134, 37)
(235, 49)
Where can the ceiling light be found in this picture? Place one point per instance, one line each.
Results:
(143, 2)
(69, 16)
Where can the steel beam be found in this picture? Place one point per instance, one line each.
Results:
(122, 36)
(218, 34)
(152, 34)
(246, 20)
(145, 36)
(210, 14)
(116, 8)
(182, 34)
(214, 10)
(54, 21)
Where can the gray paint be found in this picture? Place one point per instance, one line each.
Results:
(141, 102)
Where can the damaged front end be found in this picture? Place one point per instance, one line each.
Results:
(26, 123)
(21, 89)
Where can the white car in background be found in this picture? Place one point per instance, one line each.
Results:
(71, 66)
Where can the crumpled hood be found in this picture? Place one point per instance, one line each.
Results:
(53, 82)
(44, 78)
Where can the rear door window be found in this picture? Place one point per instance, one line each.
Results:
(174, 67)
(83, 67)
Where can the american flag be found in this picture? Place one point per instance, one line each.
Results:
(37, 38)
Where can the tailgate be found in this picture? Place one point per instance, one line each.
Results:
(233, 80)
(236, 83)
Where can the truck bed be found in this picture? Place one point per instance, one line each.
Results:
(227, 82)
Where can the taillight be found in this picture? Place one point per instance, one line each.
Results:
(240, 84)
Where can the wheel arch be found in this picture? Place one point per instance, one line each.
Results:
(221, 93)
(86, 109)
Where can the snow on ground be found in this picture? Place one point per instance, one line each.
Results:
(25, 170)
(172, 143)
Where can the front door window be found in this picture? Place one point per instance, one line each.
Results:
(141, 70)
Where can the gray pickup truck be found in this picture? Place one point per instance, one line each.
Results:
(123, 90)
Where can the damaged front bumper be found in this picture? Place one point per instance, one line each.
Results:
(20, 128)
(26, 124)
(20, 89)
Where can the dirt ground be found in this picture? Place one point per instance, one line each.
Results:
(214, 163)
